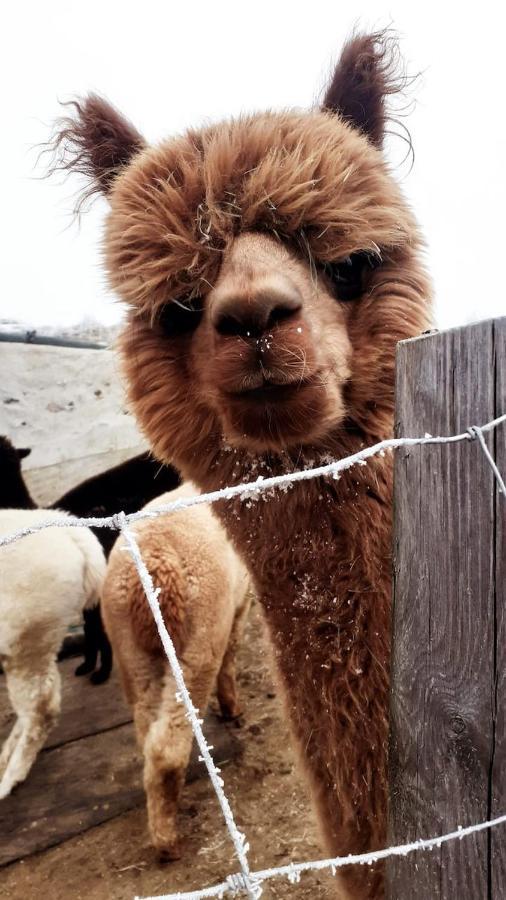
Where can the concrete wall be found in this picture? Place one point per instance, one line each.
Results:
(68, 405)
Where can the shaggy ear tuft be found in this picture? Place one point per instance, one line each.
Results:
(366, 74)
(94, 141)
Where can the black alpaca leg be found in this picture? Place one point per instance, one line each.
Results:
(104, 670)
(90, 642)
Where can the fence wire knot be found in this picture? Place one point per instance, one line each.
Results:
(239, 881)
(475, 432)
(118, 521)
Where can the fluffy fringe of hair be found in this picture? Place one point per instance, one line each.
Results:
(308, 179)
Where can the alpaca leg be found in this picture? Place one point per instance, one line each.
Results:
(103, 672)
(140, 672)
(9, 744)
(166, 755)
(226, 688)
(142, 683)
(90, 642)
(36, 698)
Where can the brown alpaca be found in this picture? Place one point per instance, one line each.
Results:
(270, 265)
(204, 602)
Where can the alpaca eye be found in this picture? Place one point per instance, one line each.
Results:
(349, 275)
(180, 316)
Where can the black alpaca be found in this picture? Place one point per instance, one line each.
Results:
(126, 487)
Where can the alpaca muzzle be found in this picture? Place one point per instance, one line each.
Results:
(253, 310)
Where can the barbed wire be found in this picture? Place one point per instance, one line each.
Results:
(262, 484)
(246, 881)
(293, 871)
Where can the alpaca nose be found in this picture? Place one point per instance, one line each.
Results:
(253, 315)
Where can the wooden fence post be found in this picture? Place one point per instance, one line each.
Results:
(448, 698)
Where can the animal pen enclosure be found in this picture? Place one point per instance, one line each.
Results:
(448, 752)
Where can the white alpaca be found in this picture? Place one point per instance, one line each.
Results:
(46, 579)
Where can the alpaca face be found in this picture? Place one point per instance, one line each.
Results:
(266, 349)
(271, 352)
(269, 264)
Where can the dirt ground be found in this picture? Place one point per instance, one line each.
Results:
(114, 861)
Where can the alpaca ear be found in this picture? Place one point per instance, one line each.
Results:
(23, 452)
(364, 76)
(96, 141)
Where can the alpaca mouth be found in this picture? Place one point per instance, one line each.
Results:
(274, 414)
(272, 391)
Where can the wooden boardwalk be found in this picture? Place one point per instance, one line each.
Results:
(89, 770)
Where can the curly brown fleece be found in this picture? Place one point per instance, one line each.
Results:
(263, 204)
(204, 602)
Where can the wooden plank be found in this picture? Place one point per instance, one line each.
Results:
(70, 789)
(86, 709)
(497, 839)
(76, 786)
(444, 622)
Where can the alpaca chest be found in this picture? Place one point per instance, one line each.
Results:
(321, 567)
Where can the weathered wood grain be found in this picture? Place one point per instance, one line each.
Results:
(71, 788)
(497, 840)
(447, 764)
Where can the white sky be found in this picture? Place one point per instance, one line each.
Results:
(169, 65)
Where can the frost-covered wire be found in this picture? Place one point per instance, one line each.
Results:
(477, 432)
(261, 484)
(293, 871)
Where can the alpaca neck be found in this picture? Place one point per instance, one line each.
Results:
(320, 556)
